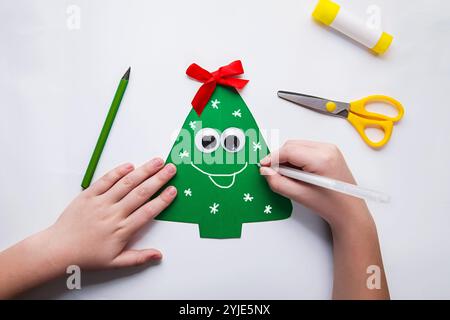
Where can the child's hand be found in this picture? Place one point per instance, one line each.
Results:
(320, 158)
(95, 228)
(355, 240)
(93, 231)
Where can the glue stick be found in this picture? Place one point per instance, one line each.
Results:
(333, 15)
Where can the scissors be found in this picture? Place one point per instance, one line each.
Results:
(355, 112)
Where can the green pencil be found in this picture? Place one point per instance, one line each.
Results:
(105, 130)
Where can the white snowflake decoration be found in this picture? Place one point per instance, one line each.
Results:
(184, 154)
(188, 192)
(193, 125)
(214, 208)
(215, 104)
(268, 209)
(256, 146)
(248, 197)
(237, 113)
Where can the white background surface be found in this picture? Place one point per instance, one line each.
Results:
(56, 85)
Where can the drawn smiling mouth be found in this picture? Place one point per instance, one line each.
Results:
(212, 175)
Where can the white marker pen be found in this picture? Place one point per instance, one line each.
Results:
(331, 184)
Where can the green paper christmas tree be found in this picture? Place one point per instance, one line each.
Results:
(218, 180)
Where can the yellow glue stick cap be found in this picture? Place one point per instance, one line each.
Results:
(326, 11)
(383, 44)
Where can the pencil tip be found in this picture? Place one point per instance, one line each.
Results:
(126, 76)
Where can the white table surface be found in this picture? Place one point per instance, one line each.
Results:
(56, 85)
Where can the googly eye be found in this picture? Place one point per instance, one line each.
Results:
(233, 139)
(207, 140)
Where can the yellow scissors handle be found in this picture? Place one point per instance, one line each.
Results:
(361, 124)
(359, 107)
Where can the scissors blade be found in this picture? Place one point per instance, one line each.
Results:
(315, 103)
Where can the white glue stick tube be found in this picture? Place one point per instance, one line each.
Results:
(333, 15)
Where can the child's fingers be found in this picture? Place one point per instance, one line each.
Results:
(150, 210)
(133, 179)
(145, 190)
(108, 180)
(285, 186)
(131, 258)
(310, 156)
(298, 155)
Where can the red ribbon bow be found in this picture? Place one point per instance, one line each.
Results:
(224, 76)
